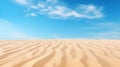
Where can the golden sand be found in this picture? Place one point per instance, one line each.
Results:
(60, 53)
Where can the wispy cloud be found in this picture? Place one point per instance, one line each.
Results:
(106, 35)
(9, 31)
(23, 2)
(106, 30)
(31, 14)
(56, 9)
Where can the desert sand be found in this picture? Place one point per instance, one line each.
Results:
(60, 53)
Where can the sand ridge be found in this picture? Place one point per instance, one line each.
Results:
(60, 53)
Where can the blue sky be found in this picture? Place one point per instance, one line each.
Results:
(59, 19)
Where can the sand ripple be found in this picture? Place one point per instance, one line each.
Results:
(60, 53)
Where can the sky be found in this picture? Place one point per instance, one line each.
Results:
(59, 19)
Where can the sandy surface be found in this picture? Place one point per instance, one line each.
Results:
(60, 53)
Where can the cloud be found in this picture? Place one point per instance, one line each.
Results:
(106, 30)
(107, 35)
(23, 2)
(55, 8)
(31, 14)
(9, 31)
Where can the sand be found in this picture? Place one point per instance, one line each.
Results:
(60, 53)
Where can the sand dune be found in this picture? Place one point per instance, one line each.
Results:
(60, 53)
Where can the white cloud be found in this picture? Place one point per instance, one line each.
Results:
(23, 2)
(106, 30)
(9, 31)
(63, 12)
(107, 35)
(31, 14)
(55, 8)
(91, 11)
